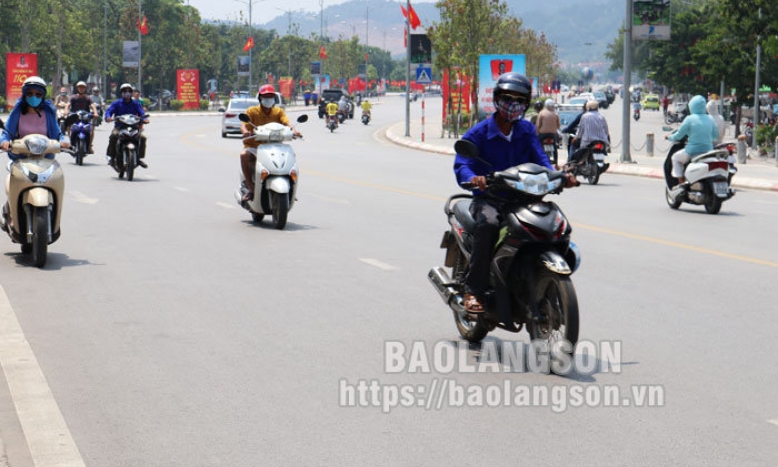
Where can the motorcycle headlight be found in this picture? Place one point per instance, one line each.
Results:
(534, 184)
(37, 145)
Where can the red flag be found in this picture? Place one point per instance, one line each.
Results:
(143, 26)
(413, 18)
(367, 56)
(405, 37)
(322, 53)
(405, 12)
(249, 44)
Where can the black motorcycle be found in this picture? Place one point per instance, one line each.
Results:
(532, 262)
(591, 162)
(127, 145)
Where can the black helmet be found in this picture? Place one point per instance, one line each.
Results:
(513, 82)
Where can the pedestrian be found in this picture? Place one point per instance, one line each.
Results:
(665, 104)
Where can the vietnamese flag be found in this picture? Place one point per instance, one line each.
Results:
(143, 26)
(322, 53)
(413, 18)
(249, 44)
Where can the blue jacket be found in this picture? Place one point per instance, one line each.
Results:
(523, 147)
(119, 107)
(699, 126)
(12, 124)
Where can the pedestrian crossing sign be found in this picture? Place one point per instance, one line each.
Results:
(423, 75)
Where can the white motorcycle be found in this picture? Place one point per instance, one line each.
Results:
(707, 178)
(35, 190)
(275, 175)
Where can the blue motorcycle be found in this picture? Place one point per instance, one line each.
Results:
(80, 123)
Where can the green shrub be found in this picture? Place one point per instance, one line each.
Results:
(204, 104)
(2, 102)
(765, 135)
(176, 104)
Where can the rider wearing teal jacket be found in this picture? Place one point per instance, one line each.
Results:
(701, 130)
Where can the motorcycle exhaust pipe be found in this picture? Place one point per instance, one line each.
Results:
(443, 285)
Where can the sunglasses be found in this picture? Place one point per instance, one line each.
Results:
(511, 99)
(36, 94)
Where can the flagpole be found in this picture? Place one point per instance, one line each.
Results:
(408, 70)
(140, 48)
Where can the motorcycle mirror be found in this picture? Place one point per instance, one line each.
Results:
(302, 118)
(244, 118)
(469, 150)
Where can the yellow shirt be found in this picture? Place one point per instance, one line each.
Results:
(366, 105)
(258, 117)
(332, 108)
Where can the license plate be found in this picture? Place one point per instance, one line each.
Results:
(599, 157)
(548, 148)
(721, 188)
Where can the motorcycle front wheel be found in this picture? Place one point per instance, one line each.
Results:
(132, 157)
(80, 151)
(280, 209)
(40, 236)
(557, 309)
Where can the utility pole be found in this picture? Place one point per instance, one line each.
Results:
(627, 98)
(408, 71)
(756, 84)
(140, 47)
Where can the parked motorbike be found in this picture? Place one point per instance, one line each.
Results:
(365, 117)
(80, 124)
(532, 263)
(35, 192)
(591, 163)
(673, 117)
(275, 175)
(127, 145)
(332, 122)
(707, 178)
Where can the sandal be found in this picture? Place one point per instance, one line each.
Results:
(248, 197)
(472, 304)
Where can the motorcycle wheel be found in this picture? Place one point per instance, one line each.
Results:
(40, 236)
(280, 209)
(594, 171)
(80, 151)
(557, 307)
(257, 217)
(669, 119)
(712, 202)
(132, 157)
(470, 328)
(673, 204)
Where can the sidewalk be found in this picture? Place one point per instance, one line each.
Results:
(758, 173)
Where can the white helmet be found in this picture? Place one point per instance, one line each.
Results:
(125, 86)
(79, 84)
(34, 82)
(550, 104)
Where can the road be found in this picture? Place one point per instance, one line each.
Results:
(171, 331)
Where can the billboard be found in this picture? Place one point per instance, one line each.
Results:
(651, 20)
(188, 87)
(243, 65)
(18, 67)
(490, 67)
(131, 54)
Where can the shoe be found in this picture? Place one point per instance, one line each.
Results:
(472, 304)
(143, 164)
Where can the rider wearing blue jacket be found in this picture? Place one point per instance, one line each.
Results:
(126, 105)
(28, 116)
(701, 130)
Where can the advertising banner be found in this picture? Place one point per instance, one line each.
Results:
(490, 67)
(243, 65)
(188, 87)
(650, 20)
(286, 87)
(18, 67)
(455, 92)
(130, 54)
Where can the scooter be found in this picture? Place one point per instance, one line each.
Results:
(127, 145)
(549, 147)
(636, 112)
(707, 178)
(532, 262)
(80, 124)
(275, 175)
(365, 117)
(332, 122)
(591, 163)
(35, 192)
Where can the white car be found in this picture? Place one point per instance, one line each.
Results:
(230, 121)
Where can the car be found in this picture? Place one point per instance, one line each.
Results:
(230, 121)
(280, 101)
(581, 100)
(650, 102)
(602, 99)
(568, 112)
(333, 95)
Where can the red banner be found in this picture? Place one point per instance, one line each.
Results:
(188, 82)
(18, 67)
(285, 87)
(457, 95)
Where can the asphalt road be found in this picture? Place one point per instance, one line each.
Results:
(171, 331)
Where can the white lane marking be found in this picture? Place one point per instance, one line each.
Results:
(226, 205)
(82, 198)
(773, 421)
(182, 189)
(47, 434)
(378, 264)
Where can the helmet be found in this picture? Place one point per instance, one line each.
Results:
(515, 83)
(538, 106)
(80, 83)
(95, 89)
(592, 105)
(126, 86)
(550, 104)
(34, 82)
(266, 89)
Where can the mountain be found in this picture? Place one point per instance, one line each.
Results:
(581, 29)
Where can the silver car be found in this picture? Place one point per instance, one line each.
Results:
(230, 121)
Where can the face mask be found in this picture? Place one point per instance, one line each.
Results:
(510, 110)
(126, 95)
(33, 101)
(267, 102)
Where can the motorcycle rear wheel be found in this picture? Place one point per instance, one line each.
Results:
(594, 171)
(470, 328)
(557, 307)
(712, 202)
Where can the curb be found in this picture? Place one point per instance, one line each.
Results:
(615, 168)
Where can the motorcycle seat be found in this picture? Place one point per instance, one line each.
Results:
(716, 153)
(462, 214)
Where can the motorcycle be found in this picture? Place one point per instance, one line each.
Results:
(549, 147)
(636, 113)
(365, 117)
(80, 124)
(707, 177)
(332, 122)
(35, 192)
(532, 263)
(127, 145)
(673, 117)
(591, 163)
(275, 175)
